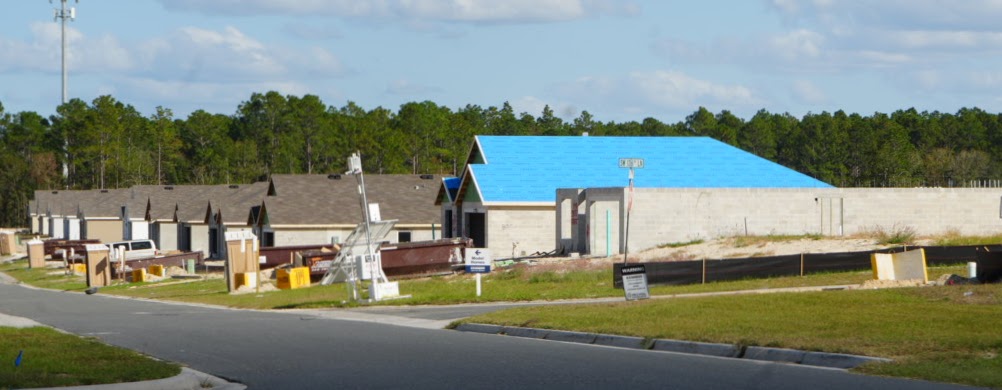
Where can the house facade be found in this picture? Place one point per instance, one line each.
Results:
(324, 209)
(507, 197)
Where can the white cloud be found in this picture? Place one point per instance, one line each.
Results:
(677, 90)
(798, 44)
(302, 30)
(806, 91)
(43, 51)
(660, 91)
(192, 54)
(528, 104)
(466, 11)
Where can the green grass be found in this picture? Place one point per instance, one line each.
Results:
(934, 333)
(681, 244)
(955, 239)
(53, 278)
(743, 241)
(520, 283)
(54, 359)
(897, 235)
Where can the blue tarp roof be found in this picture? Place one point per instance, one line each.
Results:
(531, 168)
(452, 185)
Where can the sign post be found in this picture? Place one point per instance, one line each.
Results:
(629, 163)
(635, 282)
(478, 261)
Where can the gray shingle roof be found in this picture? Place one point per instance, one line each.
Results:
(234, 204)
(320, 200)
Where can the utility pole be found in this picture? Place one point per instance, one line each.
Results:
(62, 14)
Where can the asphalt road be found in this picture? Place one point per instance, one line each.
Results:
(313, 350)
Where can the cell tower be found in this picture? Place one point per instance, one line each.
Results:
(64, 14)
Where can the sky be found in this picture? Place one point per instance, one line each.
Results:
(620, 60)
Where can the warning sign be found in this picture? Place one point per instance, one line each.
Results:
(635, 282)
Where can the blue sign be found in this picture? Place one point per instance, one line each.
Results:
(478, 269)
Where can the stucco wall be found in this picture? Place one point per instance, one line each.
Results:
(294, 237)
(661, 216)
(530, 228)
(104, 230)
(166, 235)
(200, 239)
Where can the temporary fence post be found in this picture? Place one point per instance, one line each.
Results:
(801, 264)
(704, 271)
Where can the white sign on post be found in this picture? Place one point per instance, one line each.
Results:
(478, 261)
(631, 163)
(635, 282)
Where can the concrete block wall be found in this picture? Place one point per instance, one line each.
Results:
(926, 210)
(661, 216)
(530, 228)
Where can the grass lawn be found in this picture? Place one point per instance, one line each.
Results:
(521, 283)
(54, 359)
(946, 333)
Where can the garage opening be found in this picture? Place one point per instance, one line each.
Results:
(477, 225)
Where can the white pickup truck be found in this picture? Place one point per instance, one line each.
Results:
(136, 249)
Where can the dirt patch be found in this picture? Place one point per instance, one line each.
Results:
(875, 284)
(265, 287)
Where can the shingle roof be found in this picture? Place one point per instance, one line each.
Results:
(531, 168)
(104, 203)
(233, 203)
(334, 199)
(164, 204)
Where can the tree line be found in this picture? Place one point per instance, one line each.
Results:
(109, 144)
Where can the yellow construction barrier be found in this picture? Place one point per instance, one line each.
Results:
(78, 269)
(248, 279)
(157, 270)
(138, 275)
(293, 278)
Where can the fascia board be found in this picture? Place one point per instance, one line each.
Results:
(518, 203)
(335, 226)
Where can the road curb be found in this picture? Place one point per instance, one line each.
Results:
(187, 379)
(697, 348)
(778, 355)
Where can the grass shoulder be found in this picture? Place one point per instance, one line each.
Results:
(53, 359)
(944, 333)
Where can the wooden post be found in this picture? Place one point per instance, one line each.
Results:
(704, 271)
